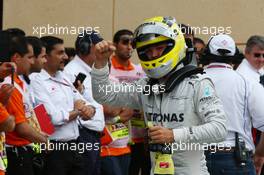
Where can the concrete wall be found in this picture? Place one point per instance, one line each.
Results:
(241, 18)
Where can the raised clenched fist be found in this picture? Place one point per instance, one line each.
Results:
(103, 50)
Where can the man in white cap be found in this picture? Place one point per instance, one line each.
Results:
(243, 103)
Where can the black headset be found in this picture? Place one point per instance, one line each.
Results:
(85, 44)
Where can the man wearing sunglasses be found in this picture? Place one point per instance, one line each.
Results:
(252, 69)
(123, 70)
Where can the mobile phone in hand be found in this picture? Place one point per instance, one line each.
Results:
(80, 77)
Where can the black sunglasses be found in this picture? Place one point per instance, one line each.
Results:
(126, 40)
(257, 55)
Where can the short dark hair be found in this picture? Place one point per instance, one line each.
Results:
(70, 51)
(15, 32)
(50, 41)
(185, 29)
(36, 44)
(18, 45)
(120, 33)
(198, 40)
(5, 42)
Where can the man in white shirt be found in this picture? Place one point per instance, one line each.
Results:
(66, 107)
(251, 68)
(89, 130)
(136, 159)
(243, 103)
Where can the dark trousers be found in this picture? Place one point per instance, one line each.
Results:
(38, 165)
(224, 163)
(20, 160)
(64, 162)
(115, 165)
(91, 154)
(140, 160)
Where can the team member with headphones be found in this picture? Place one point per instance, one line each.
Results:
(243, 103)
(187, 112)
(89, 130)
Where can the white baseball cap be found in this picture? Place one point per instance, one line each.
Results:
(222, 45)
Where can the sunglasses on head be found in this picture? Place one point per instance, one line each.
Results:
(258, 55)
(126, 40)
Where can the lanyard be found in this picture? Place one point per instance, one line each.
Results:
(66, 83)
(59, 82)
